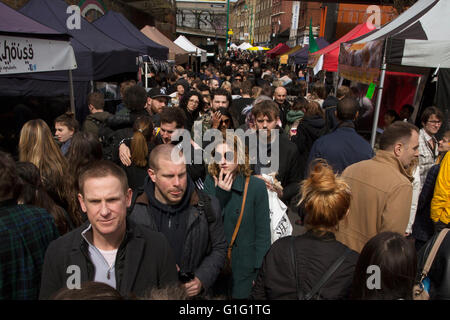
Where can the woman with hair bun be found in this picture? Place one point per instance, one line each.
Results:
(295, 265)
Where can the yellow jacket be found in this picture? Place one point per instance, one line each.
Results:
(440, 204)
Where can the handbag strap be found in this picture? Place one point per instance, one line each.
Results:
(433, 253)
(327, 275)
(294, 262)
(238, 224)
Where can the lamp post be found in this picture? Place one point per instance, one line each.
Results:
(251, 23)
(228, 18)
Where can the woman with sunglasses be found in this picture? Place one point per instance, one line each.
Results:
(226, 121)
(229, 173)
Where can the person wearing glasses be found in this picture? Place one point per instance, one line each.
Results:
(428, 144)
(191, 104)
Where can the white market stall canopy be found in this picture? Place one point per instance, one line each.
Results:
(244, 46)
(184, 43)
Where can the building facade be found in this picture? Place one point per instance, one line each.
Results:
(281, 20)
(263, 22)
(204, 23)
(242, 21)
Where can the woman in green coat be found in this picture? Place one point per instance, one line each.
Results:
(226, 181)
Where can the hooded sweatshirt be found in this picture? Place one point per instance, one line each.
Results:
(93, 121)
(171, 220)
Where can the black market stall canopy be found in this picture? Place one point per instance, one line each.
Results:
(98, 55)
(418, 38)
(29, 47)
(120, 29)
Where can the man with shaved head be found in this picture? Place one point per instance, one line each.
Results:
(280, 95)
(343, 146)
(190, 219)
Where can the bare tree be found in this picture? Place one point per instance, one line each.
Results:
(217, 21)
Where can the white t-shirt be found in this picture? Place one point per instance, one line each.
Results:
(110, 256)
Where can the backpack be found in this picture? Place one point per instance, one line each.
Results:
(106, 138)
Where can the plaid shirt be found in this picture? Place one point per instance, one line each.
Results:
(427, 156)
(25, 233)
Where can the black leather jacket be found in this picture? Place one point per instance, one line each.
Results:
(440, 269)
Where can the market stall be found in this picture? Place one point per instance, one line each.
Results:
(116, 26)
(176, 53)
(417, 41)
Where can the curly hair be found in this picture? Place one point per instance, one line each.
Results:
(185, 100)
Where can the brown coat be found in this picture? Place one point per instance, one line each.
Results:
(381, 200)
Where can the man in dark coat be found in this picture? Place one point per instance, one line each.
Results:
(279, 96)
(97, 116)
(108, 248)
(288, 173)
(190, 220)
(343, 146)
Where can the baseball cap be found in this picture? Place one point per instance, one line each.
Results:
(157, 92)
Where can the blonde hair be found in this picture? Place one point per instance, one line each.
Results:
(325, 197)
(226, 85)
(234, 143)
(36, 145)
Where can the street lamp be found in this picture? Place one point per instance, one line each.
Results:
(228, 18)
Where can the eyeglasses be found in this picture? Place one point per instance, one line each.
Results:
(226, 121)
(229, 156)
(435, 121)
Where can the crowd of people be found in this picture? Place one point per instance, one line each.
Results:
(167, 196)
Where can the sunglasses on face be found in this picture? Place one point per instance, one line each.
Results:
(229, 156)
(226, 121)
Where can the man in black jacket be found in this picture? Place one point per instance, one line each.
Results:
(190, 220)
(266, 115)
(108, 248)
(279, 96)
